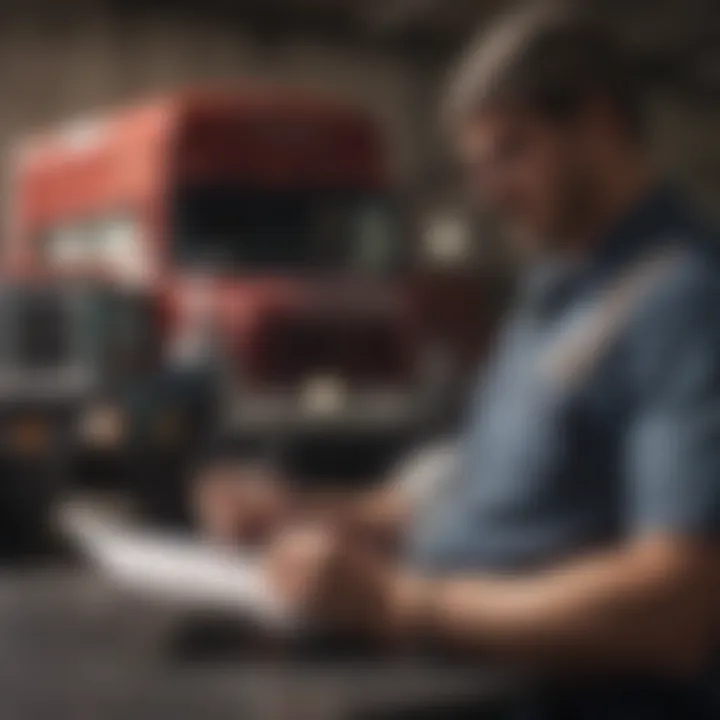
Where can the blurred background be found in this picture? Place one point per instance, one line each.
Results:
(60, 60)
(274, 267)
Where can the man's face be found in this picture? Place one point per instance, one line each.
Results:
(534, 174)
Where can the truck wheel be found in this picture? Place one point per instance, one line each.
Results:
(28, 494)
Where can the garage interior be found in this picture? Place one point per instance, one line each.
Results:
(61, 60)
(64, 60)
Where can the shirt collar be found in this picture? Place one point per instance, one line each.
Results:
(650, 222)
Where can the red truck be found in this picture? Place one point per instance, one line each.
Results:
(244, 255)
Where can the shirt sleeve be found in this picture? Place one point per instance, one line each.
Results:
(426, 473)
(672, 443)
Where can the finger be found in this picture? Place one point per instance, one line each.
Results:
(301, 566)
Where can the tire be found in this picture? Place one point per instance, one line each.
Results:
(28, 494)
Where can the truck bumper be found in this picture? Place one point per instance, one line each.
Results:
(292, 413)
(355, 440)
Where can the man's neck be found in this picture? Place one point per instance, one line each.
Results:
(622, 188)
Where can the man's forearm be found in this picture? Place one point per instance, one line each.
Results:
(648, 607)
(379, 513)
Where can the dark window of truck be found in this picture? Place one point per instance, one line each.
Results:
(268, 230)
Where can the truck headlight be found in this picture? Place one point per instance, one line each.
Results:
(323, 396)
(29, 435)
(103, 426)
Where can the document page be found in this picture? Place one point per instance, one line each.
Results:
(177, 568)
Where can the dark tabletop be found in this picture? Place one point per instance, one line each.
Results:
(72, 647)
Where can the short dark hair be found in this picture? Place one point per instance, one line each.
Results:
(549, 60)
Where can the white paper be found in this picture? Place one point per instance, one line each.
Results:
(177, 569)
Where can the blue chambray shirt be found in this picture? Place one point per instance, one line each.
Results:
(550, 468)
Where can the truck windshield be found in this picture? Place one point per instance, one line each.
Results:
(266, 229)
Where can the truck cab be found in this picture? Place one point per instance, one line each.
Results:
(261, 229)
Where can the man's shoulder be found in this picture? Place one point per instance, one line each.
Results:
(677, 321)
(687, 244)
(688, 283)
(681, 255)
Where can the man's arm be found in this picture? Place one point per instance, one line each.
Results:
(651, 605)
(384, 512)
(238, 505)
(245, 503)
(377, 514)
(648, 606)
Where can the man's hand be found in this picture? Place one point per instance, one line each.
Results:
(248, 505)
(343, 584)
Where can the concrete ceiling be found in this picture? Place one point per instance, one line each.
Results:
(676, 41)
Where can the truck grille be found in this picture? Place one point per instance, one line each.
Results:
(293, 349)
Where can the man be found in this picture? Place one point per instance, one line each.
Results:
(581, 532)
